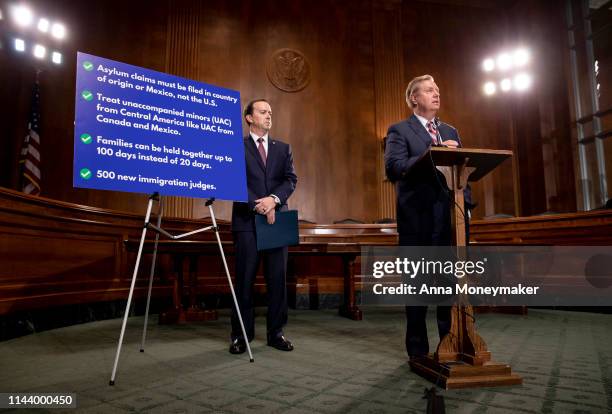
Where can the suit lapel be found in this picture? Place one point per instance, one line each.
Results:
(419, 129)
(446, 132)
(252, 148)
(272, 155)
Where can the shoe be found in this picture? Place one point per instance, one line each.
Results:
(281, 343)
(237, 346)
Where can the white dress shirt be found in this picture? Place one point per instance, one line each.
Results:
(424, 121)
(255, 139)
(265, 141)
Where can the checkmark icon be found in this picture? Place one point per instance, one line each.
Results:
(85, 174)
(86, 139)
(88, 96)
(88, 66)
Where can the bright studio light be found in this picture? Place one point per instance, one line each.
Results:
(489, 88)
(520, 57)
(56, 58)
(43, 25)
(505, 85)
(488, 65)
(40, 51)
(22, 15)
(58, 31)
(522, 82)
(507, 71)
(504, 61)
(19, 45)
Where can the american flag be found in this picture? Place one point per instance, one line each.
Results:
(30, 151)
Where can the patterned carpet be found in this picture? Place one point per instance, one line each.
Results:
(338, 366)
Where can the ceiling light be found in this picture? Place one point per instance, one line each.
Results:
(522, 81)
(22, 15)
(58, 30)
(43, 25)
(520, 57)
(488, 65)
(56, 58)
(40, 51)
(504, 61)
(489, 88)
(19, 45)
(505, 85)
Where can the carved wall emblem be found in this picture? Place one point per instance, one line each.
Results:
(288, 70)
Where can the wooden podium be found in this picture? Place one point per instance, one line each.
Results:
(462, 359)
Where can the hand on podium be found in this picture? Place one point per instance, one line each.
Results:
(450, 143)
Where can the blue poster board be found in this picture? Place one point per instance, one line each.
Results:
(138, 130)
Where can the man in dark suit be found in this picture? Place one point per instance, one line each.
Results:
(423, 203)
(271, 180)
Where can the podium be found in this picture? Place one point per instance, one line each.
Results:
(462, 359)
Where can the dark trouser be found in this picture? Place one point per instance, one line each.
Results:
(416, 328)
(275, 267)
(425, 227)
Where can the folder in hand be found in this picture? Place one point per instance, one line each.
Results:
(284, 231)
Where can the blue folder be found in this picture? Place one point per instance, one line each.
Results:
(284, 231)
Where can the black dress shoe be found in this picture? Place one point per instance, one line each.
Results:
(281, 343)
(237, 346)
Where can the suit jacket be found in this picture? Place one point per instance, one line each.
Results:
(276, 177)
(418, 188)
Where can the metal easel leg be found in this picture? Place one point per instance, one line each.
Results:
(146, 319)
(129, 302)
(229, 279)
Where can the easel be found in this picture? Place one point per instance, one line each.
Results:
(157, 228)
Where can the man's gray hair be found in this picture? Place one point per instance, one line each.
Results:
(413, 87)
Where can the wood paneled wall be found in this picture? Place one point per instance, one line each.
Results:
(545, 29)
(182, 60)
(388, 86)
(449, 42)
(361, 53)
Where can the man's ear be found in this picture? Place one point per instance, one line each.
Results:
(249, 119)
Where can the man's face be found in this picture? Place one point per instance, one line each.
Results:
(427, 96)
(262, 116)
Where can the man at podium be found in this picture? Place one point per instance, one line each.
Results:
(423, 201)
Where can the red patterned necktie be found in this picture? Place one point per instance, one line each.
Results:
(262, 150)
(431, 128)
